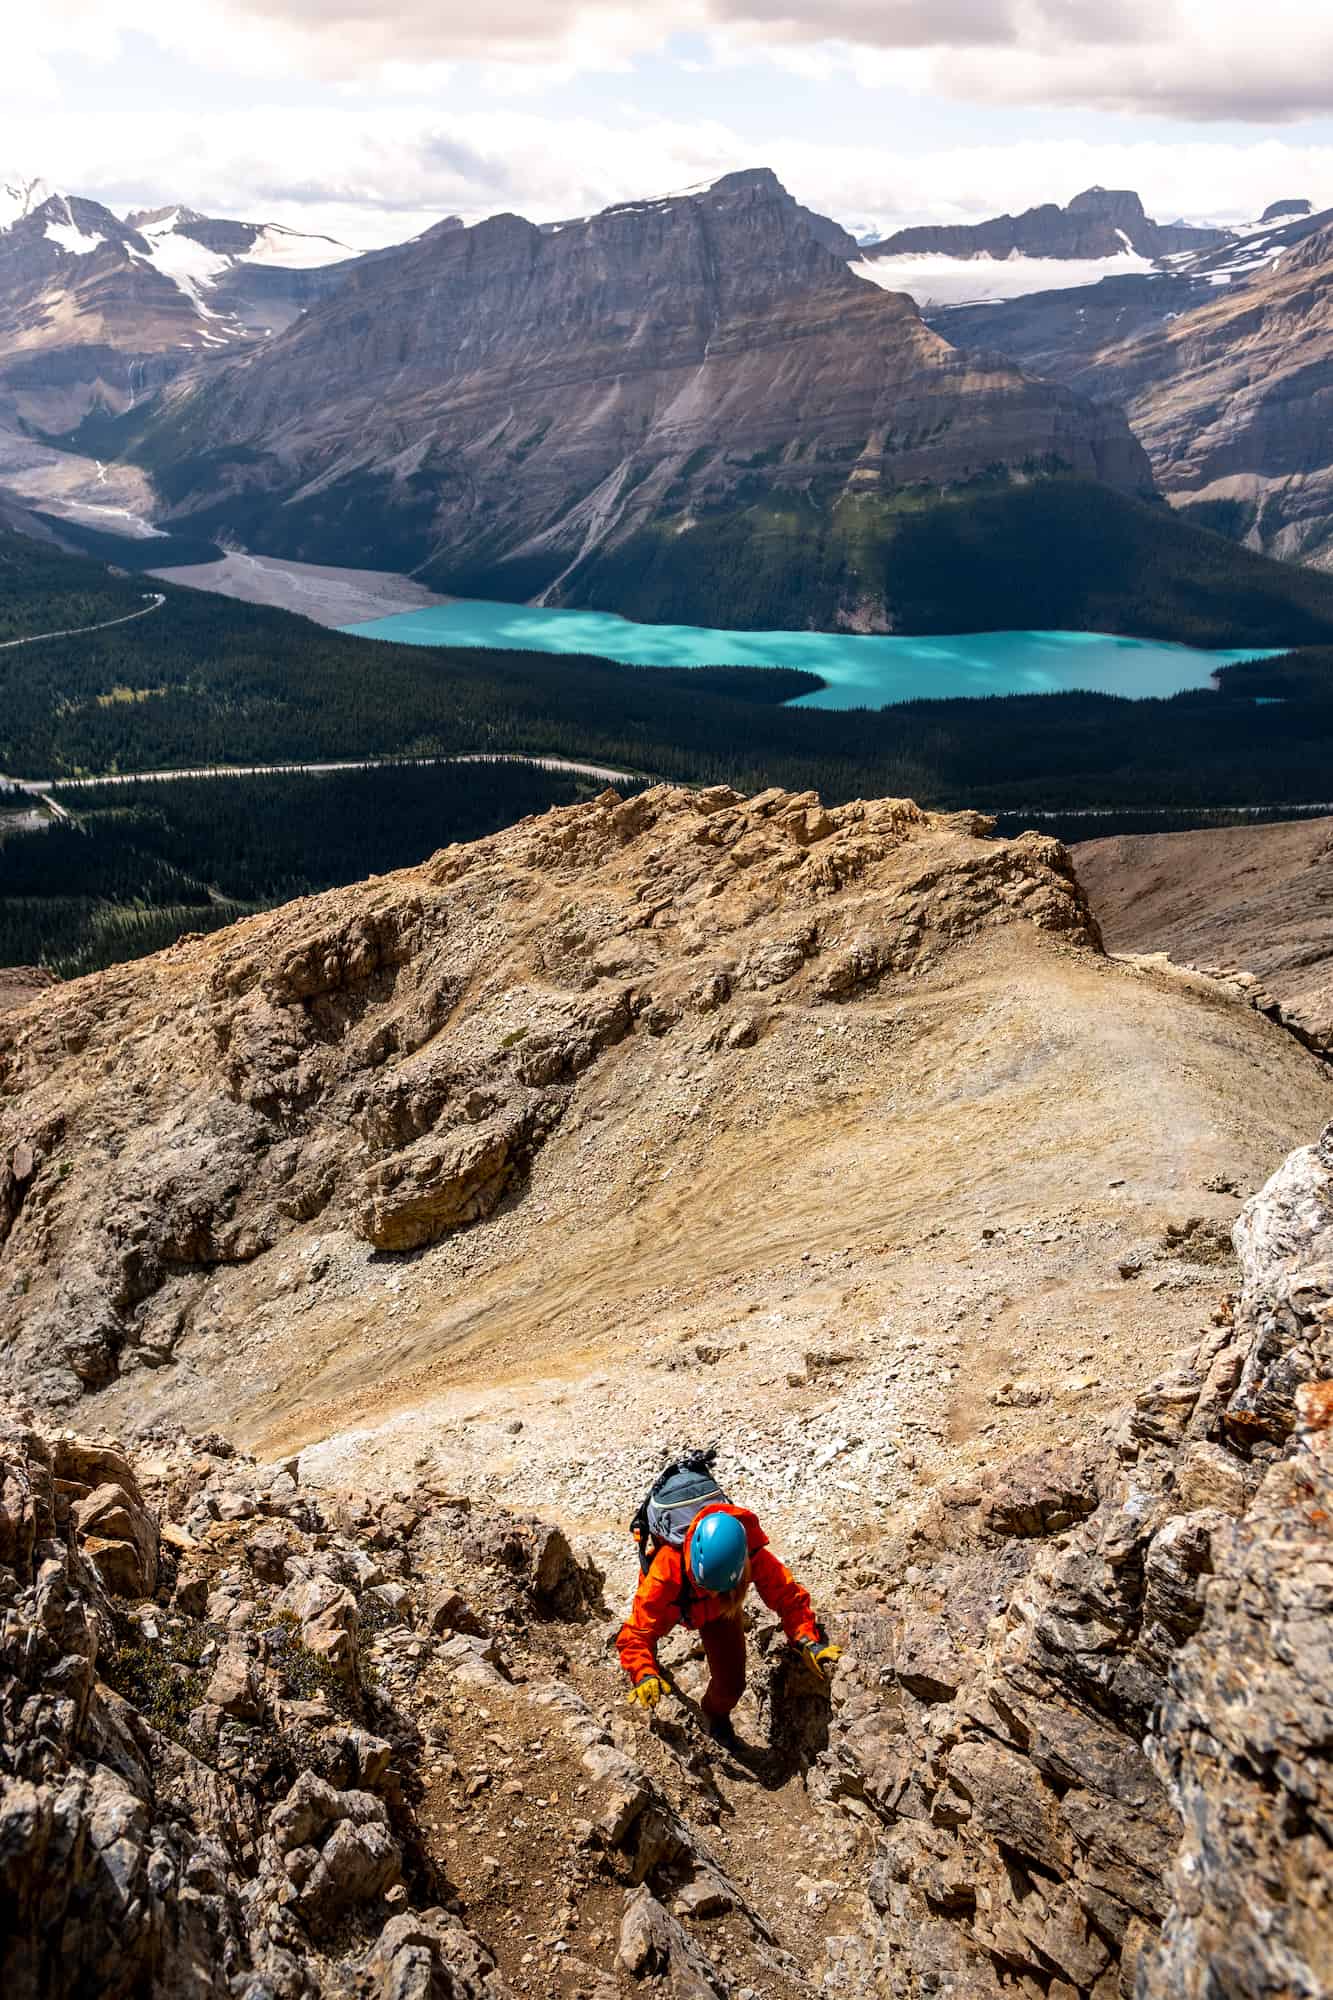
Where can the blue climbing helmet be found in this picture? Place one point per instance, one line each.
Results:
(718, 1550)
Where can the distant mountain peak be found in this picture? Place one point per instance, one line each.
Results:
(171, 217)
(1115, 205)
(21, 195)
(1277, 211)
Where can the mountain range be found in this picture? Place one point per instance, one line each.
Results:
(1223, 364)
(1100, 222)
(702, 382)
(507, 409)
(98, 312)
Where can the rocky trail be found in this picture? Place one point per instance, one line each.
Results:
(360, 1265)
(263, 1738)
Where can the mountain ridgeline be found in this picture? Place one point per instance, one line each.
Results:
(502, 407)
(1100, 222)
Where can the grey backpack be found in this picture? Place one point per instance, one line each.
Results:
(672, 1501)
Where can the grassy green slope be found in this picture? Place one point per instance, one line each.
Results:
(1057, 554)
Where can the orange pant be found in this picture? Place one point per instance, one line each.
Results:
(724, 1649)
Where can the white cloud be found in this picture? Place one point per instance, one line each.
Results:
(1185, 58)
(349, 171)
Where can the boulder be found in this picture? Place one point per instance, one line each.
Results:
(653, 1946)
(117, 1530)
(428, 1957)
(233, 1687)
(326, 1614)
(1040, 1493)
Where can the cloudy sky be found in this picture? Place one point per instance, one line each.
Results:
(368, 121)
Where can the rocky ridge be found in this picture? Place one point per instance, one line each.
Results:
(1249, 905)
(263, 1739)
(392, 1059)
(1100, 222)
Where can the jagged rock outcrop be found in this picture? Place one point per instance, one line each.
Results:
(510, 404)
(391, 1059)
(189, 1802)
(1122, 1781)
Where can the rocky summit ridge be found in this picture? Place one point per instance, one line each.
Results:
(266, 1740)
(1100, 222)
(394, 1060)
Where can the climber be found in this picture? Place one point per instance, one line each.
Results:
(698, 1556)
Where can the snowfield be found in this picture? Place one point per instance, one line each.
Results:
(293, 251)
(934, 279)
(69, 237)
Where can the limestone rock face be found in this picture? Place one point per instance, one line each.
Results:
(516, 400)
(1125, 1784)
(1228, 401)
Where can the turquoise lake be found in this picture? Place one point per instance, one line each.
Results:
(861, 671)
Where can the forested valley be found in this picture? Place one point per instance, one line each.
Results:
(140, 864)
(209, 681)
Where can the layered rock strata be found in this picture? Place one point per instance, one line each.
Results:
(1110, 1772)
(506, 402)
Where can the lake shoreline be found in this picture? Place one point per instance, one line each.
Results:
(856, 670)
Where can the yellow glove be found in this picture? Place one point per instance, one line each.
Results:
(647, 1693)
(820, 1657)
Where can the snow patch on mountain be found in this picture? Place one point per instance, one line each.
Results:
(69, 237)
(293, 251)
(934, 279)
(187, 263)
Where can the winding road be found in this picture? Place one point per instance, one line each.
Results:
(42, 788)
(158, 599)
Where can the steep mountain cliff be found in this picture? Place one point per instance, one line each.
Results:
(1221, 364)
(1231, 402)
(503, 405)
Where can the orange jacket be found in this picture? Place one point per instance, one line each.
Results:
(656, 1608)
